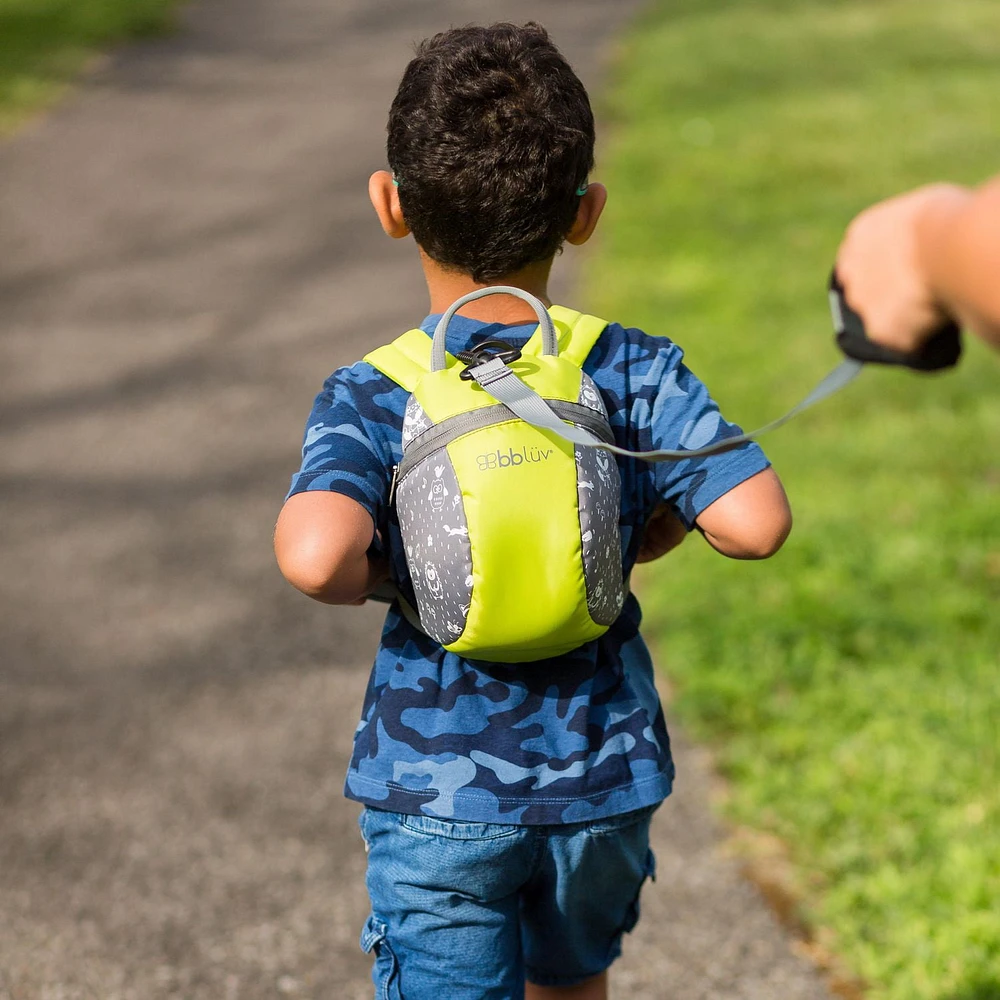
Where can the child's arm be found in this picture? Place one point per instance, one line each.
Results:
(321, 542)
(663, 532)
(751, 521)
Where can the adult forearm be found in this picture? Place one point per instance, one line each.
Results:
(958, 246)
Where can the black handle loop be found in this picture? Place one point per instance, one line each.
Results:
(941, 350)
(488, 350)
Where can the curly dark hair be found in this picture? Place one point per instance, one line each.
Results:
(491, 138)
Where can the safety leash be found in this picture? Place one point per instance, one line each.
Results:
(491, 371)
(488, 366)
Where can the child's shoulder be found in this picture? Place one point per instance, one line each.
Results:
(631, 353)
(624, 358)
(360, 377)
(360, 386)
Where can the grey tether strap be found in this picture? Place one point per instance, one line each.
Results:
(504, 386)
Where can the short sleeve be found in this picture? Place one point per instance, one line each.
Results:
(673, 410)
(344, 448)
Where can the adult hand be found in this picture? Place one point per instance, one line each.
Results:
(664, 531)
(883, 268)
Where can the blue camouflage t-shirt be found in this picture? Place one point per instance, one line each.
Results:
(573, 738)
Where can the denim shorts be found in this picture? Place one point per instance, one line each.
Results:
(467, 911)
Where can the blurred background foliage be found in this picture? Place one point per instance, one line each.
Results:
(851, 686)
(45, 43)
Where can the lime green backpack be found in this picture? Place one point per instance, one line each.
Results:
(511, 530)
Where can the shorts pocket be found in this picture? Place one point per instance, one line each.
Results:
(431, 826)
(385, 973)
(615, 824)
(632, 915)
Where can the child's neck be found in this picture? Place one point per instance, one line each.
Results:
(445, 286)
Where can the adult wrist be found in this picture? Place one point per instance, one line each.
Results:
(935, 225)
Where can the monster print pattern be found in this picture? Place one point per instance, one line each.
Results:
(590, 397)
(415, 422)
(436, 537)
(599, 492)
(599, 500)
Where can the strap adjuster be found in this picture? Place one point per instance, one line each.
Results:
(488, 350)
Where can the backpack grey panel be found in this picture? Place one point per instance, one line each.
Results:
(589, 396)
(599, 493)
(415, 421)
(436, 538)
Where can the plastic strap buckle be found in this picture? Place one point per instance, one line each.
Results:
(488, 350)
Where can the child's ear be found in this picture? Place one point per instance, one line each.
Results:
(587, 214)
(385, 200)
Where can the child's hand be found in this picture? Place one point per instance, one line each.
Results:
(664, 531)
(378, 573)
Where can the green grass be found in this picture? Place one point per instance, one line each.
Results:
(44, 44)
(851, 686)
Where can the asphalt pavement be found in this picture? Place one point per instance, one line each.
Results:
(186, 251)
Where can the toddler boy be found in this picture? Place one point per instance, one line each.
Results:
(507, 806)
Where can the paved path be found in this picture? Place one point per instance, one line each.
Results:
(186, 251)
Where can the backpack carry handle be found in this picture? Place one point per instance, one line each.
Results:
(550, 342)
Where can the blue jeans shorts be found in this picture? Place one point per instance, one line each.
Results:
(467, 911)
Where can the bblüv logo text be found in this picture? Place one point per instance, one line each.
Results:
(505, 459)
